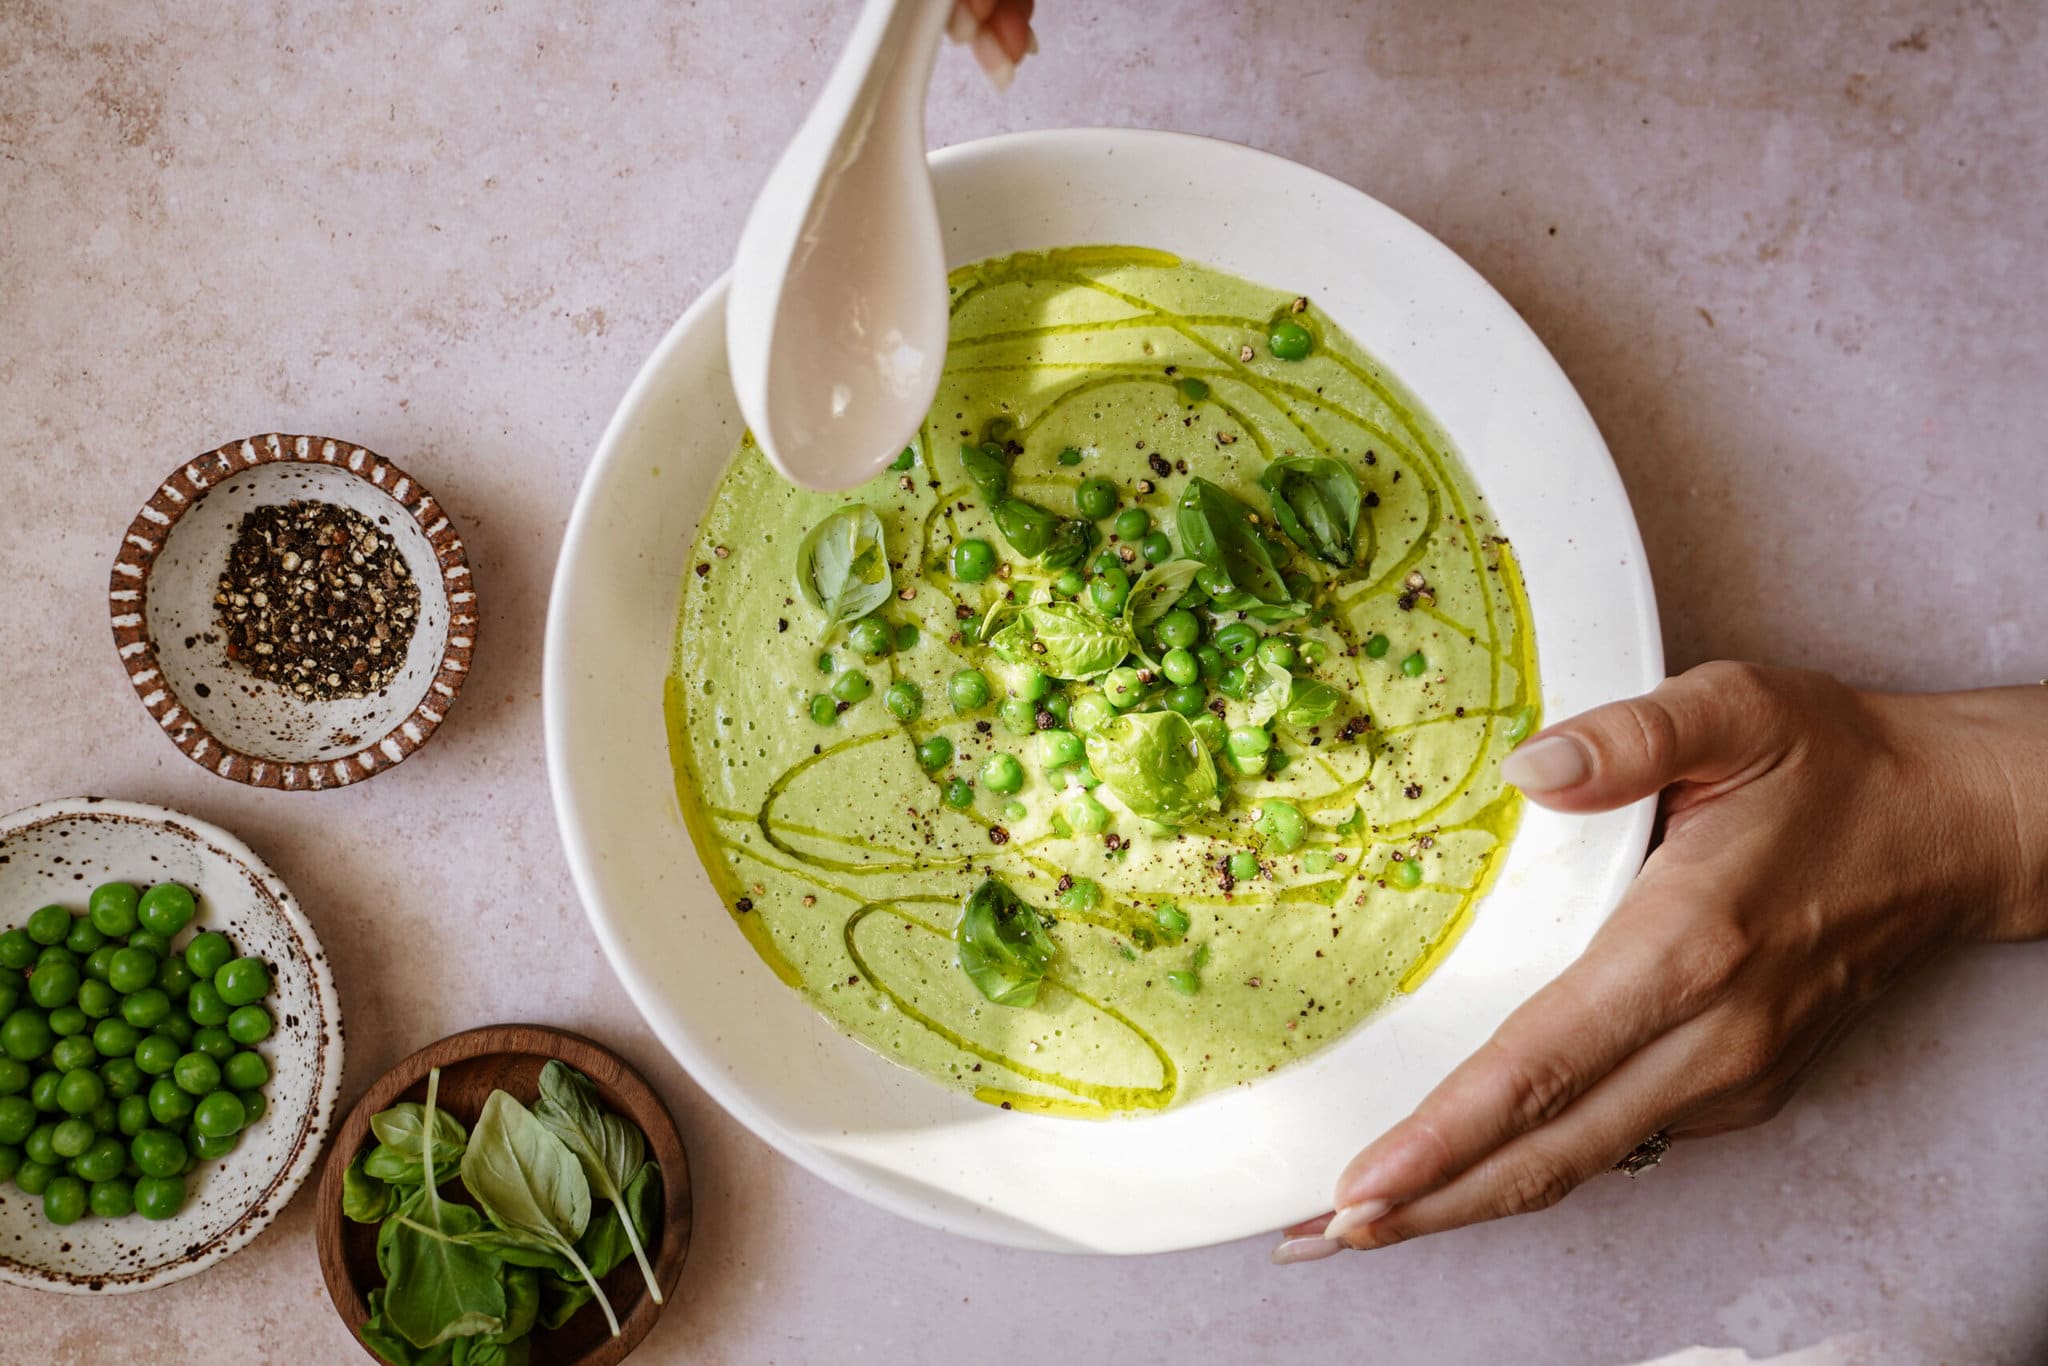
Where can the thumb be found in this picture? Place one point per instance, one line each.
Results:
(1717, 722)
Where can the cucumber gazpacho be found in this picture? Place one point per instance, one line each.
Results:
(1139, 731)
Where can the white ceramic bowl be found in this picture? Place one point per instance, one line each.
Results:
(58, 852)
(1241, 1162)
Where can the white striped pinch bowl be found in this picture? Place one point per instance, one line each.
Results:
(160, 599)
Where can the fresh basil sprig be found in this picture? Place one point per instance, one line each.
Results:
(842, 567)
(1310, 702)
(1003, 948)
(988, 470)
(608, 1146)
(1157, 590)
(1316, 500)
(1156, 764)
(1221, 532)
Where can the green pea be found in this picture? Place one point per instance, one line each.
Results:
(1289, 340)
(968, 690)
(64, 1200)
(1085, 776)
(906, 637)
(49, 925)
(166, 909)
(1110, 590)
(1056, 706)
(12, 987)
(1019, 717)
(180, 1027)
(853, 686)
(904, 700)
(970, 628)
(246, 1071)
(101, 1116)
(99, 961)
(1405, 873)
(933, 753)
(1178, 629)
(1087, 815)
(65, 1021)
(973, 560)
(159, 1197)
(1131, 524)
(959, 794)
(82, 937)
(207, 952)
(1095, 499)
(219, 1115)
(57, 953)
(71, 1137)
(122, 1076)
(175, 977)
(1277, 652)
(903, 461)
(80, 1091)
(1283, 825)
(112, 1038)
(1192, 389)
(1057, 747)
(53, 984)
(1187, 700)
(870, 636)
(1156, 548)
(253, 1106)
(1414, 664)
(1001, 773)
(97, 1000)
(153, 944)
(1069, 583)
(1232, 682)
(1248, 765)
(1238, 642)
(1377, 647)
(1172, 919)
(158, 1054)
(35, 1177)
(208, 1147)
(158, 1152)
(104, 1160)
(1032, 685)
(14, 1076)
(25, 1034)
(113, 908)
(1107, 560)
(10, 1162)
(1186, 983)
(147, 1008)
(17, 950)
(1082, 894)
(1314, 652)
(1211, 661)
(170, 1104)
(17, 1118)
(1123, 687)
(824, 711)
(215, 1042)
(197, 1073)
(1244, 865)
(1089, 713)
(825, 666)
(132, 969)
(39, 1146)
(1520, 723)
(112, 1199)
(76, 1051)
(43, 1091)
(1180, 667)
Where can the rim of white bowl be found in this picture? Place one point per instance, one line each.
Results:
(578, 842)
(311, 1139)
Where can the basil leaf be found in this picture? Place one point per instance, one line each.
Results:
(560, 1298)
(1316, 500)
(1078, 643)
(1265, 613)
(842, 567)
(1003, 948)
(1309, 702)
(610, 1149)
(403, 1127)
(1026, 526)
(522, 1302)
(605, 1244)
(528, 1182)
(1156, 763)
(364, 1198)
(519, 1249)
(436, 1287)
(1218, 530)
(1013, 641)
(1266, 691)
(492, 1351)
(1071, 542)
(988, 471)
(378, 1335)
(1157, 590)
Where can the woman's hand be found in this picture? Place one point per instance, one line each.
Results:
(1819, 844)
(999, 32)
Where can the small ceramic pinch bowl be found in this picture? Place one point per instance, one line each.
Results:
(58, 852)
(161, 601)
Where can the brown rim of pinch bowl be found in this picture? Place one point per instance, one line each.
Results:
(128, 599)
(501, 1055)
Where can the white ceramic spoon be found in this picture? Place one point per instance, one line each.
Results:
(835, 327)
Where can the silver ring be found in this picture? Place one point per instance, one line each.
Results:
(1645, 1155)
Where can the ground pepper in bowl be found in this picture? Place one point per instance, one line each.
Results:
(316, 599)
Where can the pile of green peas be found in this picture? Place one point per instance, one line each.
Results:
(871, 637)
(123, 1062)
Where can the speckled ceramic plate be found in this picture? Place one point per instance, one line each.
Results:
(161, 600)
(1248, 1160)
(57, 852)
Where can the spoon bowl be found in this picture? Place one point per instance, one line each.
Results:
(837, 320)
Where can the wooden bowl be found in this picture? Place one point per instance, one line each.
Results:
(228, 721)
(509, 1058)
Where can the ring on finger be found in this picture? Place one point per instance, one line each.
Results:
(1645, 1155)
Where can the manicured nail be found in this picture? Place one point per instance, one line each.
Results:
(961, 27)
(1354, 1218)
(1548, 764)
(1305, 1250)
(1031, 47)
(994, 61)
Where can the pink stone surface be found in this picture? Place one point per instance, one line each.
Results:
(1791, 253)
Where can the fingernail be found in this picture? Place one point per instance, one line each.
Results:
(994, 61)
(1295, 1250)
(1545, 765)
(961, 27)
(1031, 47)
(1354, 1218)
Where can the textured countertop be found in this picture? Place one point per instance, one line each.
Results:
(1791, 253)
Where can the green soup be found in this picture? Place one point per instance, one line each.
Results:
(1219, 876)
